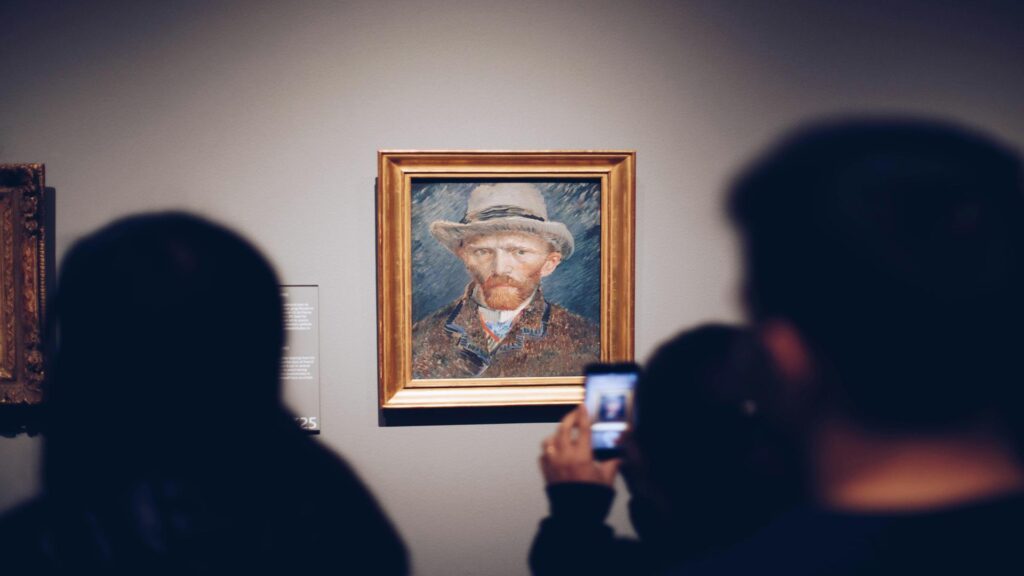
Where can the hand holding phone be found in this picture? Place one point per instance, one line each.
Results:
(567, 456)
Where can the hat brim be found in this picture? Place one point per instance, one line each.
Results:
(451, 234)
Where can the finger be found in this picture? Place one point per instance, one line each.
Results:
(583, 413)
(563, 437)
(584, 431)
(547, 447)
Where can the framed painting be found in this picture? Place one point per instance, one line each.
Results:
(26, 233)
(500, 275)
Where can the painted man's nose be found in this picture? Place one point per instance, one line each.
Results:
(502, 263)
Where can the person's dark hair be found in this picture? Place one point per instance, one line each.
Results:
(170, 334)
(168, 450)
(895, 248)
(709, 440)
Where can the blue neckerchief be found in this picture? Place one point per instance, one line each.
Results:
(499, 329)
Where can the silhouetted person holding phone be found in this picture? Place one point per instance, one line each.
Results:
(168, 450)
(884, 264)
(706, 465)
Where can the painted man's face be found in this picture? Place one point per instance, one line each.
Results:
(508, 266)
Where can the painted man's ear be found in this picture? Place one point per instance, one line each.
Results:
(552, 262)
(788, 352)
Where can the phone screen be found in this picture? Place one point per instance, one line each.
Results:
(609, 401)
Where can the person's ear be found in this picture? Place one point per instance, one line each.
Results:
(788, 352)
(550, 263)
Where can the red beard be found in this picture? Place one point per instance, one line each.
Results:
(505, 293)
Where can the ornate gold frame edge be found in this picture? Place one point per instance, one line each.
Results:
(396, 168)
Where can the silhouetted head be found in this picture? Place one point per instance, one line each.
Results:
(717, 463)
(170, 336)
(894, 249)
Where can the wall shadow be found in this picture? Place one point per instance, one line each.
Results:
(480, 415)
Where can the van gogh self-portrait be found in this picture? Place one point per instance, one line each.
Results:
(506, 278)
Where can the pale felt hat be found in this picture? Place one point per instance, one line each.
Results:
(501, 207)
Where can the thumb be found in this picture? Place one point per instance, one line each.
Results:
(583, 421)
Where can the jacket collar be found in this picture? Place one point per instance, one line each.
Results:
(464, 322)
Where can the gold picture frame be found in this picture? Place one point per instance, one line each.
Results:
(601, 178)
(26, 229)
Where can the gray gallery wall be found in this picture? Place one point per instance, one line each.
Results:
(267, 115)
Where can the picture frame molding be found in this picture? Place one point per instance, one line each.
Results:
(616, 171)
(26, 235)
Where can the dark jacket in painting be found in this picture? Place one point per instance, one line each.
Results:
(545, 340)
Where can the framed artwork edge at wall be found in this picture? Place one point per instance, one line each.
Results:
(26, 246)
(429, 203)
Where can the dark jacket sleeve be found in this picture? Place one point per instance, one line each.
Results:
(574, 539)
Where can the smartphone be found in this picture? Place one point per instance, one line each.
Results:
(608, 396)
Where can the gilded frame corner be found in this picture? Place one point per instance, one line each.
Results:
(616, 171)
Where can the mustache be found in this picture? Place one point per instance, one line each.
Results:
(503, 281)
